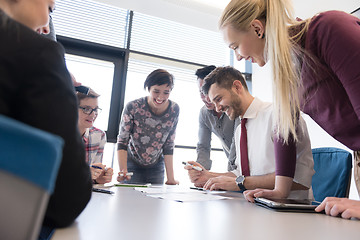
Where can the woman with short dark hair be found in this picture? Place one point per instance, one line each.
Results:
(147, 133)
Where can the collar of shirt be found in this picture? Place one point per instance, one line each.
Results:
(253, 109)
(86, 135)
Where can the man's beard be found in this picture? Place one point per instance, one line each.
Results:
(235, 106)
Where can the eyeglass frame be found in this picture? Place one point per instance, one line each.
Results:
(97, 110)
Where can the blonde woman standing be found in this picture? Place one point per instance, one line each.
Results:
(315, 64)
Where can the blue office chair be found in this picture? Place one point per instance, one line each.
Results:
(29, 163)
(332, 173)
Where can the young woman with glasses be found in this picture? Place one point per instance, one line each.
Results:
(93, 137)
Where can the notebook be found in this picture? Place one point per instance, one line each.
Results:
(288, 205)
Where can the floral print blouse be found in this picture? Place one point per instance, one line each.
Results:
(145, 135)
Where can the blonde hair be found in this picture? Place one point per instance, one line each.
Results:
(280, 49)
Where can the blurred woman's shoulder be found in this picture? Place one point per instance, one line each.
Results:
(21, 40)
(174, 106)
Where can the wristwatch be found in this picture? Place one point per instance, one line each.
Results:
(240, 182)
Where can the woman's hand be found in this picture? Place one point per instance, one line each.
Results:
(122, 175)
(250, 195)
(282, 189)
(172, 182)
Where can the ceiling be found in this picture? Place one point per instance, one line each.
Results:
(205, 13)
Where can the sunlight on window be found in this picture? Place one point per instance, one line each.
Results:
(97, 75)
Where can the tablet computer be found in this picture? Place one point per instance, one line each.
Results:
(288, 205)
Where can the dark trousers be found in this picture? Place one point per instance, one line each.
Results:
(153, 174)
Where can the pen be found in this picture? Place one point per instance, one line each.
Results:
(127, 174)
(197, 168)
(102, 191)
(97, 167)
(197, 188)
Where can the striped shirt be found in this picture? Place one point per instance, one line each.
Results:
(94, 140)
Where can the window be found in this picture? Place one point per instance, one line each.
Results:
(106, 65)
(98, 75)
(91, 21)
(173, 40)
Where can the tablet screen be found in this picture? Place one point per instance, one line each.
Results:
(288, 203)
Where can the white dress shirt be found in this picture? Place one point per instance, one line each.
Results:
(261, 154)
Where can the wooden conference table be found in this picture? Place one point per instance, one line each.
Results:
(131, 215)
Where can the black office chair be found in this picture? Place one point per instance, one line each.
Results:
(29, 163)
(332, 173)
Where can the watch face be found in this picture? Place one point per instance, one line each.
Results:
(240, 179)
(240, 182)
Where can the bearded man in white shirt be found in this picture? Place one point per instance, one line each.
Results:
(227, 89)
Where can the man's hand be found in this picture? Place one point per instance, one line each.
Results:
(343, 207)
(199, 178)
(221, 183)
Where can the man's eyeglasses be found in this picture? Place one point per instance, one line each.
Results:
(89, 110)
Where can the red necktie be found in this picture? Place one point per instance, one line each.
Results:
(244, 150)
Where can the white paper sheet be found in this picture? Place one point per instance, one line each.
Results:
(188, 197)
(180, 194)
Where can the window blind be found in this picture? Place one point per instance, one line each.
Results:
(166, 38)
(91, 21)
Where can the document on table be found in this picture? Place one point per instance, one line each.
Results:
(188, 197)
(163, 189)
(180, 194)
